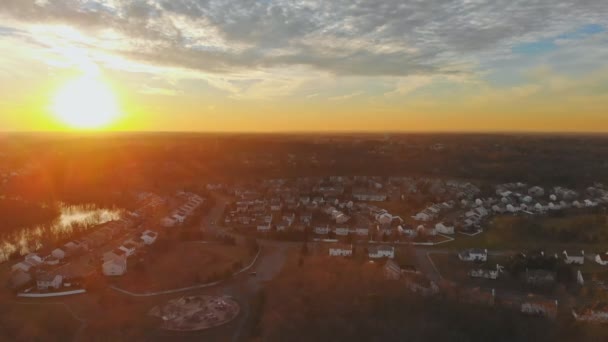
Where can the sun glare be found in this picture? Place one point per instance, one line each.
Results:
(86, 103)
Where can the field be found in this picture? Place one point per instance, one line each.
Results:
(36, 322)
(183, 265)
(577, 232)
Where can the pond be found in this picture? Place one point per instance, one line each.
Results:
(73, 219)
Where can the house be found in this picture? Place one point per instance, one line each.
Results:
(391, 270)
(539, 277)
(536, 191)
(342, 231)
(382, 251)
(421, 229)
(362, 231)
(24, 266)
(486, 273)
(129, 248)
(442, 228)
(341, 250)
(341, 218)
(51, 260)
(422, 216)
(45, 280)
(602, 259)
(322, 230)
(33, 258)
(407, 231)
(539, 307)
(275, 204)
(384, 218)
(597, 312)
(149, 237)
(58, 253)
(264, 228)
(368, 195)
(283, 225)
(113, 254)
(115, 266)
(574, 258)
(474, 254)
(306, 218)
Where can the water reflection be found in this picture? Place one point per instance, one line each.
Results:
(73, 219)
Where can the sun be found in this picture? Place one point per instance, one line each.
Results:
(86, 103)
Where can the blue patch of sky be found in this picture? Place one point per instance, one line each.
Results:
(545, 45)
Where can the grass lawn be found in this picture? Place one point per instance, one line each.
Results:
(36, 322)
(184, 264)
(514, 233)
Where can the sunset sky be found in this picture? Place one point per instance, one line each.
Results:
(305, 65)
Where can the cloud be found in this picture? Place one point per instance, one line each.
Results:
(345, 96)
(343, 37)
(386, 50)
(158, 91)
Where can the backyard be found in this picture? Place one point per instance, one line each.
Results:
(183, 265)
(574, 232)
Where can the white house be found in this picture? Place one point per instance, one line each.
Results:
(264, 228)
(384, 218)
(426, 231)
(341, 250)
(24, 266)
(377, 252)
(342, 218)
(322, 230)
(341, 231)
(129, 248)
(442, 228)
(115, 267)
(589, 203)
(547, 308)
(44, 281)
(602, 259)
(474, 254)
(33, 258)
(58, 253)
(422, 217)
(574, 258)
(149, 237)
(536, 191)
(362, 231)
(486, 273)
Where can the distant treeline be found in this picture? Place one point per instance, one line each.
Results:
(103, 169)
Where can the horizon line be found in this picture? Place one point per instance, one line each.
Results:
(303, 132)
